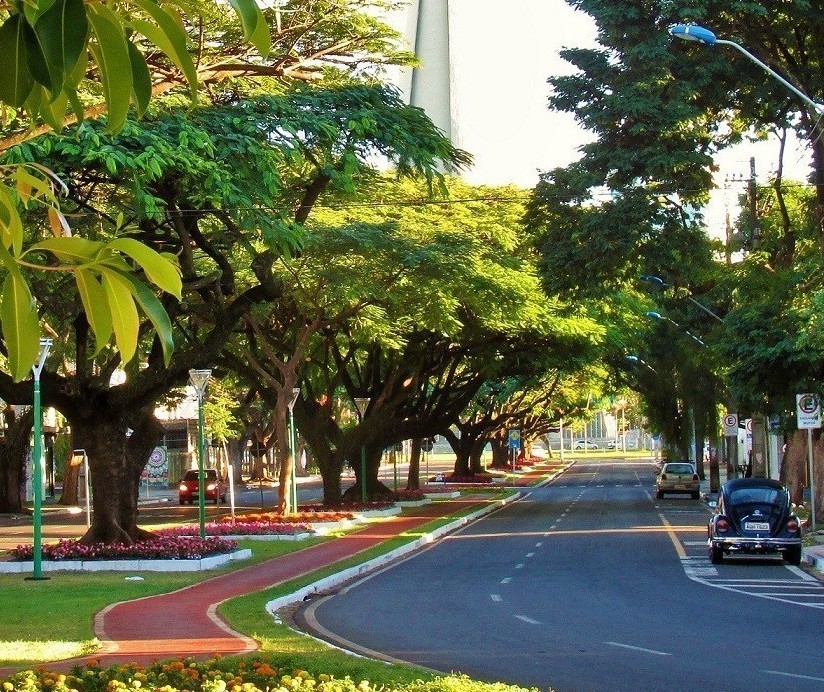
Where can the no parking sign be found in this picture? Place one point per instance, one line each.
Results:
(731, 425)
(808, 411)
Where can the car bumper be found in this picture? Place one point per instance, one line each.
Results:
(753, 545)
(678, 488)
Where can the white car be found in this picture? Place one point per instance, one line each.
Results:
(581, 443)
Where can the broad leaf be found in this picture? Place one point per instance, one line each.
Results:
(125, 320)
(141, 79)
(21, 326)
(12, 228)
(112, 55)
(170, 37)
(156, 313)
(95, 305)
(62, 31)
(74, 250)
(15, 81)
(161, 272)
(255, 28)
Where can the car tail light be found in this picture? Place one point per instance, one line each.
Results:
(792, 525)
(722, 524)
(695, 477)
(663, 476)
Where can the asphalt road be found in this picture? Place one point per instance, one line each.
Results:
(589, 583)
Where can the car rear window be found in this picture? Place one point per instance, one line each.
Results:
(679, 468)
(769, 496)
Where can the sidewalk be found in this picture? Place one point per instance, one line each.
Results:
(186, 623)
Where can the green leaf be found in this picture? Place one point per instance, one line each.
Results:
(96, 306)
(170, 37)
(15, 81)
(125, 320)
(36, 60)
(161, 272)
(12, 227)
(255, 28)
(62, 32)
(75, 250)
(142, 80)
(21, 326)
(111, 53)
(154, 310)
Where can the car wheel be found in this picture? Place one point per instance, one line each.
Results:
(659, 495)
(216, 499)
(793, 555)
(716, 555)
(182, 501)
(696, 495)
(191, 501)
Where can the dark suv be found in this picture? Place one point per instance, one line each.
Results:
(213, 485)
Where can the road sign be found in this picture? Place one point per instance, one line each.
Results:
(731, 425)
(514, 439)
(808, 411)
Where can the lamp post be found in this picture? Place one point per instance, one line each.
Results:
(200, 380)
(37, 471)
(691, 32)
(361, 404)
(658, 316)
(292, 445)
(658, 281)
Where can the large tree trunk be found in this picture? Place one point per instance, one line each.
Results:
(14, 451)
(413, 476)
(115, 464)
(794, 466)
(70, 494)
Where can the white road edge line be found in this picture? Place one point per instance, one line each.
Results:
(506, 580)
(639, 648)
(495, 597)
(527, 620)
(794, 675)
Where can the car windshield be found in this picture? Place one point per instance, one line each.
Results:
(207, 473)
(764, 495)
(679, 468)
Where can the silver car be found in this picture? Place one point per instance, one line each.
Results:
(678, 477)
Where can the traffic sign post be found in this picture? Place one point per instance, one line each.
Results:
(514, 437)
(808, 414)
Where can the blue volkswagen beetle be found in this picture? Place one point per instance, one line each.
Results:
(754, 516)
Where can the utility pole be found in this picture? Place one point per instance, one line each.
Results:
(753, 199)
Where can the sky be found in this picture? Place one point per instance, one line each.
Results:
(503, 54)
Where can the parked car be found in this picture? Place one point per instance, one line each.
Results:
(678, 477)
(213, 486)
(582, 443)
(614, 444)
(754, 515)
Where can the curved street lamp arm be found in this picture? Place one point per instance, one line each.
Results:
(817, 107)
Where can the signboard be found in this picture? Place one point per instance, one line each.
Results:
(808, 411)
(157, 467)
(731, 425)
(514, 439)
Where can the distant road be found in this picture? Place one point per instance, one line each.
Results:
(590, 584)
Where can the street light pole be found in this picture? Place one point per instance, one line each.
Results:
(361, 404)
(200, 380)
(699, 34)
(292, 447)
(658, 281)
(37, 471)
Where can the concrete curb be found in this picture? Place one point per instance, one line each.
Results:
(333, 580)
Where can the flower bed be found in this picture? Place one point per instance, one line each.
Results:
(306, 516)
(453, 478)
(161, 547)
(241, 527)
(217, 675)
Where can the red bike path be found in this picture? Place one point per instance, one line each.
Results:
(186, 623)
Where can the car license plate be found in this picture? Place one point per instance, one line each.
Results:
(756, 525)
